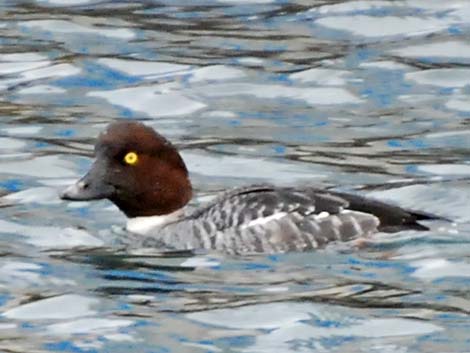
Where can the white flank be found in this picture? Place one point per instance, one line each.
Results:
(264, 220)
(143, 225)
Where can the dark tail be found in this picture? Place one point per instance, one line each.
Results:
(392, 218)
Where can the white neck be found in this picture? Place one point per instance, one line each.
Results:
(143, 225)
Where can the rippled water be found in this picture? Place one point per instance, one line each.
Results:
(371, 96)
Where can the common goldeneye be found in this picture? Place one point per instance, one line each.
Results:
(143, 174)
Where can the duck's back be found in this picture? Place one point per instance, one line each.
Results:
(265, 219)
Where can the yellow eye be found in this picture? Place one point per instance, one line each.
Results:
(131, 158)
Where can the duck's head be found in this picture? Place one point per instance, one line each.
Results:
(137, 169)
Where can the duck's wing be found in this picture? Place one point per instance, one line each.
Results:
(242, 205)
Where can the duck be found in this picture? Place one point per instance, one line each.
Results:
(143, 174)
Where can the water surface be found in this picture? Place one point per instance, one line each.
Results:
(364, 96)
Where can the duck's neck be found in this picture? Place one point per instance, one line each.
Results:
(146, 224)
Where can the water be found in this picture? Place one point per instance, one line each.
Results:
(368, 96)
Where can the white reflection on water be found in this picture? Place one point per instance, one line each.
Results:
(246, 1)
(378, 27)
(22, 130)
(20, 274)
(72, 306)
(68, 27)
(202, 163)
(459, 103)
(441, 77)
(268, 316)
(447, 49)
(350, 6)
(285, 337)
(71, 315)
(152, 100)
(12, 67)
(39, 195)
(42, 89)
(7, 143)
(430, 269)
(216, 73)
(51, 237)
(326, 77)
(36, 71)
(386, 65)
(95, 325)
(59, 70)
(312, 96)
(40, 167)
(446, 169)
(147, 69)
(291, 324)
(67, 2)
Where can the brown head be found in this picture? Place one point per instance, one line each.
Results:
(137, 169)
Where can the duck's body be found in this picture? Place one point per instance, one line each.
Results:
(143, 174)
(266, 219)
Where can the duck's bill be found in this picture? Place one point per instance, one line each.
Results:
(91, 187)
